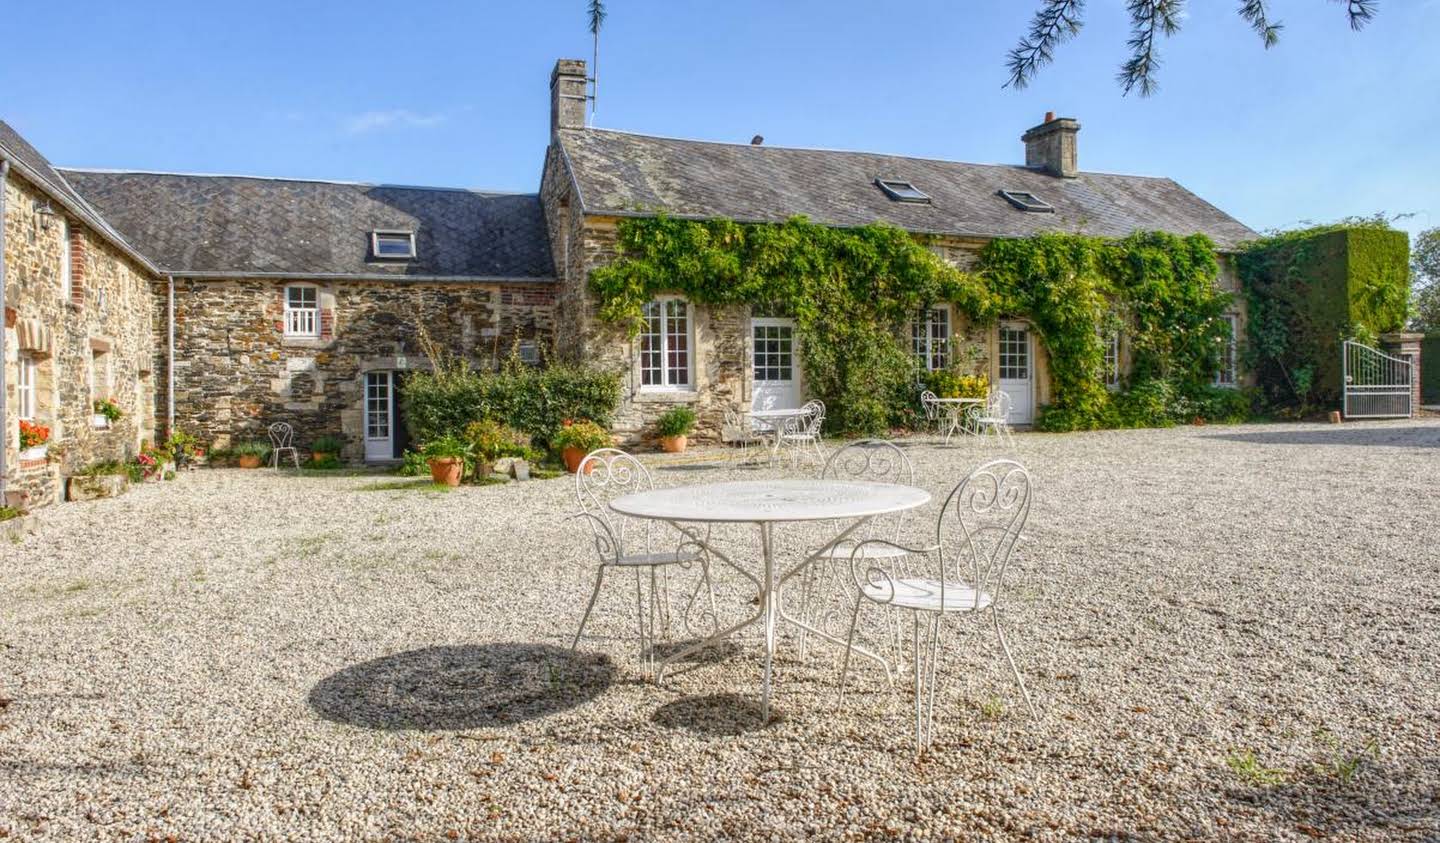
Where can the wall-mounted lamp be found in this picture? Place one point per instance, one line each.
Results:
(44, 213)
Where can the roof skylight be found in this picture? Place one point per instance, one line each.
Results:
(1028, 202)
(392, 244)
(903, 191)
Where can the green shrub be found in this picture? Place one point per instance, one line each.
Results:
(585, 435)
(253, 448)
(412, 464)
(676, 421)
(535, 401)
(446, 447)
(327, 444)
(490, 440)
(8, 512)
(328, 463)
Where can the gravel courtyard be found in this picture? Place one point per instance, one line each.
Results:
(1232, 632)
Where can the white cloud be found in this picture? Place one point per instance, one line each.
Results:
(399, 118)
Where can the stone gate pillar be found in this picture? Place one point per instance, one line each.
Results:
(1407, 346)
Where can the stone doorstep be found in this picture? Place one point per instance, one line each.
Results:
(89, 488)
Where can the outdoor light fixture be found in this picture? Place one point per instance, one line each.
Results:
(44, 213)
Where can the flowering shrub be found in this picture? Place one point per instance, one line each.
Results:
(33, 435)
(108, 408)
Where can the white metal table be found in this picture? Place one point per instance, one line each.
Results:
(954, 409)
(774, 422)
(766, 503)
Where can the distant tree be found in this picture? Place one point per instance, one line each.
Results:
(1425, 267)
(1058, 21)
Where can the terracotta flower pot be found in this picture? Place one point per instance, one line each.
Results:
(320, 456)
(249, 460)
(447, 470)
(573, 457)
(673, 444)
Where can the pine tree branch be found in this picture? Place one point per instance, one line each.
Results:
(1360, 12)
(597, 16)
(1255, 12)
(1057, 22)
(1148, 18)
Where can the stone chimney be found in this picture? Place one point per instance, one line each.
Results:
(567, 95)
(1051, 146)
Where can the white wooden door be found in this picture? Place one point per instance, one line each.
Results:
(1017, 371)
(379, 417)
(774, 365)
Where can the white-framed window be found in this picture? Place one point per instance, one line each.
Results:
(665, 343)
(25, 388)
(1112, 359)
(302, 310)
(392, 244)
(67, 267)
(930, 338)
(1226, 376)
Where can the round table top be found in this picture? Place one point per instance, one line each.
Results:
(771, 500)
(958, 400)
(788, 411)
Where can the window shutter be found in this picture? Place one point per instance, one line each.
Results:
(77, 268)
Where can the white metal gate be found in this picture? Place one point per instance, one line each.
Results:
(1377, 385)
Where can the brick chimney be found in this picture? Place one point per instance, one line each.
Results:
(1051, 146)
(567, 95)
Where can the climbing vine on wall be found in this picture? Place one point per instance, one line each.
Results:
(852, 292)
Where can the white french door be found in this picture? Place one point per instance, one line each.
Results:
(1017, 371)
(773, 363)
(379, 417)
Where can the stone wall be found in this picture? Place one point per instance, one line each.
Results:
(236, 372)
(106, 323)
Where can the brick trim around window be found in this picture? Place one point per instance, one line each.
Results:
(77, 267)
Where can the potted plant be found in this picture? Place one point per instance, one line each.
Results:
(32, 440)
(107, 412)
(251, 454)
(326, 448)
(184, 448)
(674, 427)
(446, 457)
(577, 440)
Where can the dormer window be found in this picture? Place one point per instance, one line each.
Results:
(1027, 202)
(903, 191)
(392, 245)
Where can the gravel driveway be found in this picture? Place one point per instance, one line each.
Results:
(1231, 632)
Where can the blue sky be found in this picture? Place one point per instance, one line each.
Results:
(1329, 123)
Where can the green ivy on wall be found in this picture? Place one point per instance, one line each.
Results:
(1310, 289)
(853, 291)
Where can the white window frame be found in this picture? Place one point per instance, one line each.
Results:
(25, 391)
(1228, 376)
(377, 234)
(302, 322)
(928, 347)
(667, 383)
(67, 264)
(1111, 367)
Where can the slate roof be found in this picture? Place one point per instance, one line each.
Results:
(202, 225)
(628, 174)
(39, 170)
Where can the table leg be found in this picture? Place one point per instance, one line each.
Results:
(767, 607)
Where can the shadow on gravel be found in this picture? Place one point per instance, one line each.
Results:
(463, 687)
(715, 715)
(1384, 800)
(717, 652)
(1347, 434)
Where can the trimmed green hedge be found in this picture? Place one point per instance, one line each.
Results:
(535, 401)
(1310, 290)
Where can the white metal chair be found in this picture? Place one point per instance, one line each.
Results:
(282, 440)
(930, 404)
(802, 432)
(994, 418)
(826, 582)
(738, 430)
(961, 574)
(626, 543)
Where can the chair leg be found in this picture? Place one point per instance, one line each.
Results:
(849, 643)
(1004, 645)
(925, 670)
(594, 593)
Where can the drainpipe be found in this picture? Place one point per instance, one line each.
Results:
(170, 359)
(4, 415)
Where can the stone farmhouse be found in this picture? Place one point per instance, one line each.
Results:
(219, 304)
